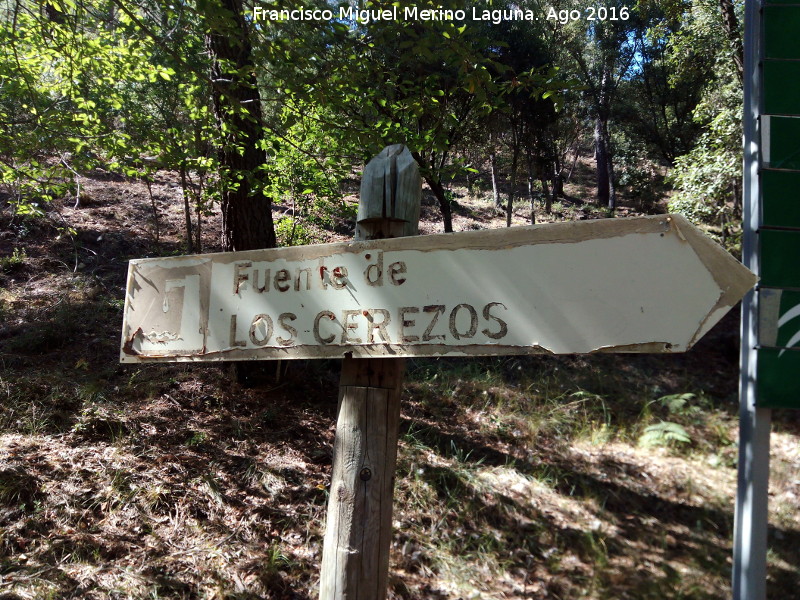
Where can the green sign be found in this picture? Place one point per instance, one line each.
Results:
(780, 201)
(777, 382)
(780, 142)
(782, 85)
(780, 258)
(778, 355)
(781, 27)
(778, 318)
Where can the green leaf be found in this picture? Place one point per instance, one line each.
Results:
(664, 433)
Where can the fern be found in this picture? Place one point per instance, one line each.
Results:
(664, 433)
(678, 404)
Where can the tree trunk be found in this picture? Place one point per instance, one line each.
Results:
(548, 198)
(471, 181)
(560, 178)
(444, 204)
(731, 25)
(187, 211)
(531, 179)
(201, 149)
(437, 188)
(601, 160)
(495, 192)
(198, 211)
(246, 211)
(558, 186)
(511, 192)
(555, 170)
(612, 189)
(737, 198)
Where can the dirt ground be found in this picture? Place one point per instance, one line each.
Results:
(519, 477)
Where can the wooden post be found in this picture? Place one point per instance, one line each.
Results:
(355, 556)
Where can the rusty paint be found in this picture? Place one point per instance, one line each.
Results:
(659, 347)
(127, 347)
(366, 351)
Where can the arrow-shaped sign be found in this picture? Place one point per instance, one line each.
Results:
(649, 284)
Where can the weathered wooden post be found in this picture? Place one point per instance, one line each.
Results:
(355, 559)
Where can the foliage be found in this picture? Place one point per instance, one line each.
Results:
(66, 81)
(130, 87)
(669, 433)
(602, 54)
(14, 261)
(304, 168)
(431, 84)
(658, 99)
(637, 171)
(291, 232)
(664, 433)
(680, 404)
(708, 177)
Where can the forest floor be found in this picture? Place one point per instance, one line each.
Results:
(518, 477)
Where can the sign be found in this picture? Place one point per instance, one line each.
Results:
(771, 380)
(779, 325)
(650, 284)
(778, 347)
(781, 198)
(781, 24)
(782, 96)
(768, 375)
(773, 224)
(779, 251)
(780, 142)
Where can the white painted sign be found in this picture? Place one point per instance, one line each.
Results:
(650, 284)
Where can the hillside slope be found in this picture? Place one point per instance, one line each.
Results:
(521, 477)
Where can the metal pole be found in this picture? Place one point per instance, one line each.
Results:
(750, 527)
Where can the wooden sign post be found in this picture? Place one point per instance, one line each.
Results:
(358, 534)
(647, 284)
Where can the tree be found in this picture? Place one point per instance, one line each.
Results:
(532, 89)
(246, 209)
(601, 52)
(422, 83)
(168, 120)
(708, 177)
(733, 33)
(64, 82)
(110, 83)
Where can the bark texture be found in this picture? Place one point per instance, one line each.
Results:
(731, 25)
(246, 210)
